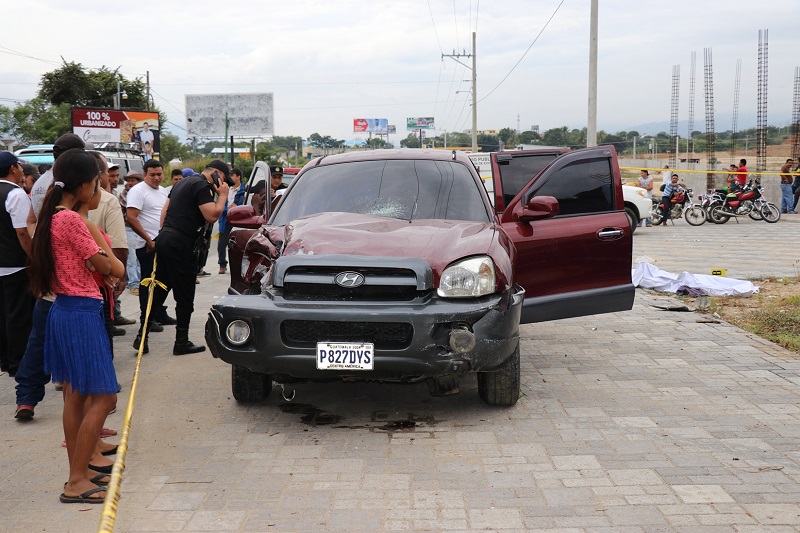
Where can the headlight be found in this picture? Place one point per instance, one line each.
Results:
(468, 278)
(238, 332)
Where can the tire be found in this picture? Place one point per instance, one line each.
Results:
(771, 213)
(695, 215)
(714, 217)
(249, 386)
(633, 220)
(501, 387)
(655, 217)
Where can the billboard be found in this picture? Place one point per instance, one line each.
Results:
(249, 114)
(419, 123)
(392, 129)
(105, 125)
(370, 125)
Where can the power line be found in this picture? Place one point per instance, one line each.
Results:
(526, 52)
(434, 27)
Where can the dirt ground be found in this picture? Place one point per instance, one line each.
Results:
(773, 313)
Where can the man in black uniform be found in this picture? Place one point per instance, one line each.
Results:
(190, 206)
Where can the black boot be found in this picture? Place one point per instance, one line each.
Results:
(183, 345)
(138, 341)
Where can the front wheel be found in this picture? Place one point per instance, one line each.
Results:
(249, 386)
(771, 213)
(501, 387)
(755, 214)
(695, 215)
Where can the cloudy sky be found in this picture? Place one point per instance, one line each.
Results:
(330, 62)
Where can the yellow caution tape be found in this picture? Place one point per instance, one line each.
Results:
(109, 514)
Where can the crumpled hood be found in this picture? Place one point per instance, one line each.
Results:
(439, 242)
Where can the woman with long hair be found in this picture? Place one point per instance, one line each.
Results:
(77, 351)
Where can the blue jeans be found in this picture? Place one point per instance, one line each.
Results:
(132, 268)
(787, 203)
(31, 377)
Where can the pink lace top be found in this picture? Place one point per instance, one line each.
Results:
(72, 246)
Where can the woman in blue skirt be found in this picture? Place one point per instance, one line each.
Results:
(77, 351)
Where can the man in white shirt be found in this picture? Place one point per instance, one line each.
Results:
(144, 204)
(146, 138)
(16, 300)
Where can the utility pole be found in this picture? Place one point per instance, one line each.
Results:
(147, 100)
(591, 125)
(453, 56)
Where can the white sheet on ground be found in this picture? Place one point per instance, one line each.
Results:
(651, 277)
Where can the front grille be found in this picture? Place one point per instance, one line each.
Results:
(331, 292)
(384, 335)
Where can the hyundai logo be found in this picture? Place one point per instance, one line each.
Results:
(349, 280)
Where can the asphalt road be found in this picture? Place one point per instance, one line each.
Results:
(639, 421)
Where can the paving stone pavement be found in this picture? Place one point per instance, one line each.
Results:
(638, 421)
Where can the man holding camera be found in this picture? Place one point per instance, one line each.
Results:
(190, 207)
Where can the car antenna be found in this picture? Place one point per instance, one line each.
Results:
(454, 155)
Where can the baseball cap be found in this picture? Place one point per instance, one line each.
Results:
(216, 164)
(67, 142)
(8, 159)
(188, 172)
(112, 166)
(30, 170)
(276, 169)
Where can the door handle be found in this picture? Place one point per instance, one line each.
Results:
(610, 233)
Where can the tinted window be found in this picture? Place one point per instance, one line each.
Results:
(519, 171)
(404, 189)
(580, 187)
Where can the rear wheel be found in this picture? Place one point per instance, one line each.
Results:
(501, 387)
(714, 216)
(656, 217)
(633, 220)
(771, 213)
(695, 215)
(249, 386)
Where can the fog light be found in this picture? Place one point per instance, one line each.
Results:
(238, 332)
(462, 340)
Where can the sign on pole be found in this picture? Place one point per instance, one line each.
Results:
(370, 125)
(416, 123)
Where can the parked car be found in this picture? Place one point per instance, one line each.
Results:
(37, 154)
(637, 204)
(393, 265)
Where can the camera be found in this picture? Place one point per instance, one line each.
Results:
(228, 180)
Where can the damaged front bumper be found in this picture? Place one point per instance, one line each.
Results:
(414, 340)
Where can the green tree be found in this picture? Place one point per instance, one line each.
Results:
(556, 137)
(172, 148)
(412, 141)
(529, 137)
(508, 137)
(48, 115)
(488, 143)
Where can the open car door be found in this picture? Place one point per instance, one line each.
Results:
(572, 237)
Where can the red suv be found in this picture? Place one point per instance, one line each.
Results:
(393, 265)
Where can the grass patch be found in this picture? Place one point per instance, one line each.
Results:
(773, 313)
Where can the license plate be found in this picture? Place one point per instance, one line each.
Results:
(345, 356)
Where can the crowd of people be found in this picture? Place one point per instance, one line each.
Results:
(69, 247)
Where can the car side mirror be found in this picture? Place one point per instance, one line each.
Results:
(244, 216)
(536, 208)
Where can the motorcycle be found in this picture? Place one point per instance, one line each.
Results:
(680, 206)
(748, 200)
